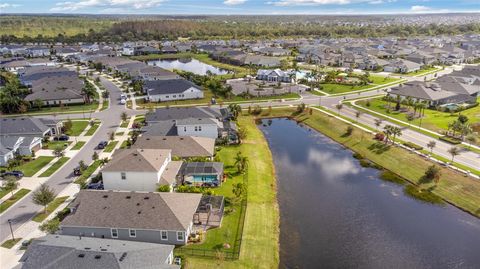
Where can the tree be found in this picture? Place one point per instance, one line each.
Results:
(111, 135)
(239, 189)
(241, 162)
(349, 131)
(471, 139)
(396, 131)
(124, 116)
(95, 156)
(301, 107)
(388, 130)
(104, 161)
(410, 118)
(454, 151)
(432, 173)
(58, 151)
(10, 184)
(339, 107)
(88, 91)
(357, 115)
(378, 122)
(38, 103)
(43, 196)
(235, 109)
(431, 145)
(67, 125)
(82, 166)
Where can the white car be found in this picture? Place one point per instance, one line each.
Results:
(123, 101)
(123, 96)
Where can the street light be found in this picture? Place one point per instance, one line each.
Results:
(11, 230)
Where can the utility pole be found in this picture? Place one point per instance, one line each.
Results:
(11, 230)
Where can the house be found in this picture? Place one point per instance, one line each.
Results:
(30, 74)
(202, 173)
(9, 146)
(273, 51)
(402, 66)
(436, 94)
(38, 51)
(192, 121)
(171, 90)
(66, 52)
(163, 218)
(57, 90)
(63, 251)
(275, 75)
(29, 127)
(168, 49)
(156, 73)
(181, 146)
(140, 170)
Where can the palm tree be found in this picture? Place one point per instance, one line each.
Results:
(339, 107)
(454, 151)
(388, 130)
(471, 139)
(357, 115)
(241, 162)
(431, 145)
(88, 92)
(378, 122)
(396, 131)
(124, 116)
(235, 109)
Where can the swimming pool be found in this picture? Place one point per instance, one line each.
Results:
(201, 179)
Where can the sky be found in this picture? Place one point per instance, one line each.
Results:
(231, 7)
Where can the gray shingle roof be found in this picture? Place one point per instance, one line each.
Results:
(168, 86)
(25, 126)
(113, 209)
(61, 251)
(137, 160)
(181, 146)
(178, 113)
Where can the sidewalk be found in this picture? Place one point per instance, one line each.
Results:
(29, 230)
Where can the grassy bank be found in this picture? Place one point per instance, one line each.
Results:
(12, 200)
(261, 234)
(453, 187)
(52, 169)
(32, 167)
(50, 208)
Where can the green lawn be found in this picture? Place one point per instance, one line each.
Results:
(420, 72)
(78, 145)
(111, 145)
(208, 97)
(334, 88)
(454, 187)
(50, 208)
(12, 200)
(138, 119)
(123, 145)
(53, 144)
(105, 104)
(3, 192)
(32, 167)
(260, 240)
(88, 172)
(10, 242)
(92, 129)
(433, 120)
(124, 124)
(66, 109)
(52, 169)
(119, 133)
(77, 127)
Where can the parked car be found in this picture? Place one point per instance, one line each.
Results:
(95, 186)
(77, 171)
(102, 145)
(15, 173)
(62, 137)
(123, 96)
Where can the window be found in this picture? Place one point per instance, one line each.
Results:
(185, 128)
(180, 236)
(123, 175)
(196, 128)
(164, 235)
(114, 233)
(174, 96)
(199, 128)
(133, 233)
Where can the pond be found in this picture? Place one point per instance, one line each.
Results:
(189, 65)
(336, 214)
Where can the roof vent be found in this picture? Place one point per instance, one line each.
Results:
(98, 257)
(138, 204)
(139, 212)
(128, 197)
(105, 196)
(147, 138)
(164, 138)
(103, 249)
(124, 254)
(146, 198)
(81, 255)
(87, 248)
(181, 138)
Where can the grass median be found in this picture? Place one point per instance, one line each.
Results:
(52, 169)
(93, 129)
(50, 208)
(111, 146)
(78, 145)
(12, 200)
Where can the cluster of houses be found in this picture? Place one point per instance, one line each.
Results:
(24, 135)
(459, 88)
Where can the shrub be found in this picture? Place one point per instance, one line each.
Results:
(380, 136)
(450, 140)
(412, 145)
(50, 226)
(164, 188)
(432, 173)
(391, 177)
(349, 131)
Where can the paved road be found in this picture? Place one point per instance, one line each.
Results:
(25, 209)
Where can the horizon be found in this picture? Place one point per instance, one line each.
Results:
(238, 7)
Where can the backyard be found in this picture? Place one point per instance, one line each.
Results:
(260, 237)
(77, 127)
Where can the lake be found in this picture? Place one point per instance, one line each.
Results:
(190, 65)
(336, 214)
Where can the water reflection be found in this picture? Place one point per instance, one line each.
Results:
(337, 214)
(190, 65)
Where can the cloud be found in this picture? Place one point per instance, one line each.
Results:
(283, 3)
(8, 5)
(379, 2)
(234, 2)
(107, 4)
(420, 8)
